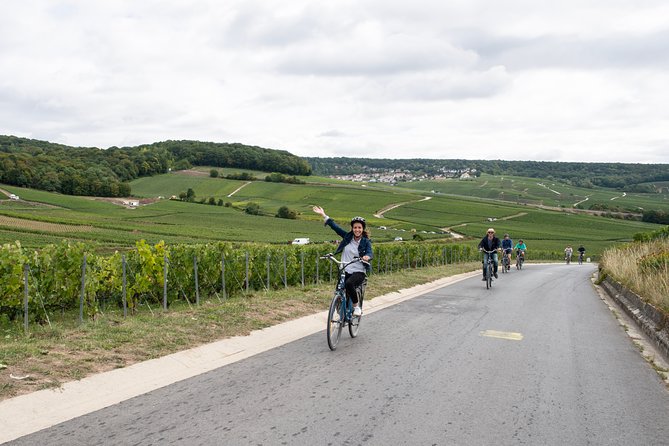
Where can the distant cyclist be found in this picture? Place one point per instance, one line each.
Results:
(355, 243)
(507, 247)
(568, 251)
(581, 254)
(520, 248)
(489, 243)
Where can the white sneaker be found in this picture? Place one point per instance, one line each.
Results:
(357, 311)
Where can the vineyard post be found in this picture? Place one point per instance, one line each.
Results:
(125, 297)
(330, 274)
(406, 256)
(197, 285)
(246, 273)
(302, 266)
(25, 297)
(223, 275)
(285, 272)
(317, 276)
(165, 281)
(386, 270)
(83, 291)
(268, 280)
(443, 256)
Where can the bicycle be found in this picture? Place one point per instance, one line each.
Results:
(506, 262)
(520, 259)
(341, 307)
(489, 268)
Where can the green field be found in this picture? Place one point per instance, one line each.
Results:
(426, 209)
(539, 192)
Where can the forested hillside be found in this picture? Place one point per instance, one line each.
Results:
(623, 176)
(93, 171)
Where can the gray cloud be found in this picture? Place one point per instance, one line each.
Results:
(567, 80)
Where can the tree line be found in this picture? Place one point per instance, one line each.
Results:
(629, 177)
(92, 171)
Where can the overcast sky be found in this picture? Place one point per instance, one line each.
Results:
(569, 80)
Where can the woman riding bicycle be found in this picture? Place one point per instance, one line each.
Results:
(520, 248)
(355, 243)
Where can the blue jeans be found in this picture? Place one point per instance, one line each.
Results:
(494, 262)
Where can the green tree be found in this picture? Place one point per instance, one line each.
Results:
(285, 212)
(252, 208)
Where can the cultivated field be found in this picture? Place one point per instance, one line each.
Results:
(540, 192)
(42, 217)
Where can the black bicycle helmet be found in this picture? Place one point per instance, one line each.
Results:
(359, 219)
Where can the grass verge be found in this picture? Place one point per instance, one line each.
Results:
(643, 268)
(49, 356)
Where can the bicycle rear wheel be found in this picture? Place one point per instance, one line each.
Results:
(334, 322)
(354, 325)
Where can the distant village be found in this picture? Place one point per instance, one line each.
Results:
(393, 176)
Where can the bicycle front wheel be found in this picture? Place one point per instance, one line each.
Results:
(488, 277)
(334, 322)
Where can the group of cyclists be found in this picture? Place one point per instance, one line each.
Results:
(569, 251)
(490, 244)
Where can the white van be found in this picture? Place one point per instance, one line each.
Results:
(300, 241)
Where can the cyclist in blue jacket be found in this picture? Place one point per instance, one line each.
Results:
(507, 247)
(355, 243)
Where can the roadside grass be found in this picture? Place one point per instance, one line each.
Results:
(51, 355)
(643, 268)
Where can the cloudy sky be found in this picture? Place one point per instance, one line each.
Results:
(574, 80)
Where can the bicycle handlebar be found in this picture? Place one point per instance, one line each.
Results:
(331, 256)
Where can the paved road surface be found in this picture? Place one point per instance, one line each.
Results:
(537, 360)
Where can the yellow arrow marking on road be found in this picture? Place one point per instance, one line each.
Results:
(502, 335)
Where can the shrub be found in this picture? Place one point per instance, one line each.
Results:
(252, 208)
(285, 212)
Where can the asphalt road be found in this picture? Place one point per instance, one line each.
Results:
(537, 360)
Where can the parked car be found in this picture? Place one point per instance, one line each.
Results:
(398, 239)
(382, 227)
(300, 241)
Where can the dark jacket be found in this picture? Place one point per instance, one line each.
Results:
(489, 245)
(364, 248)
